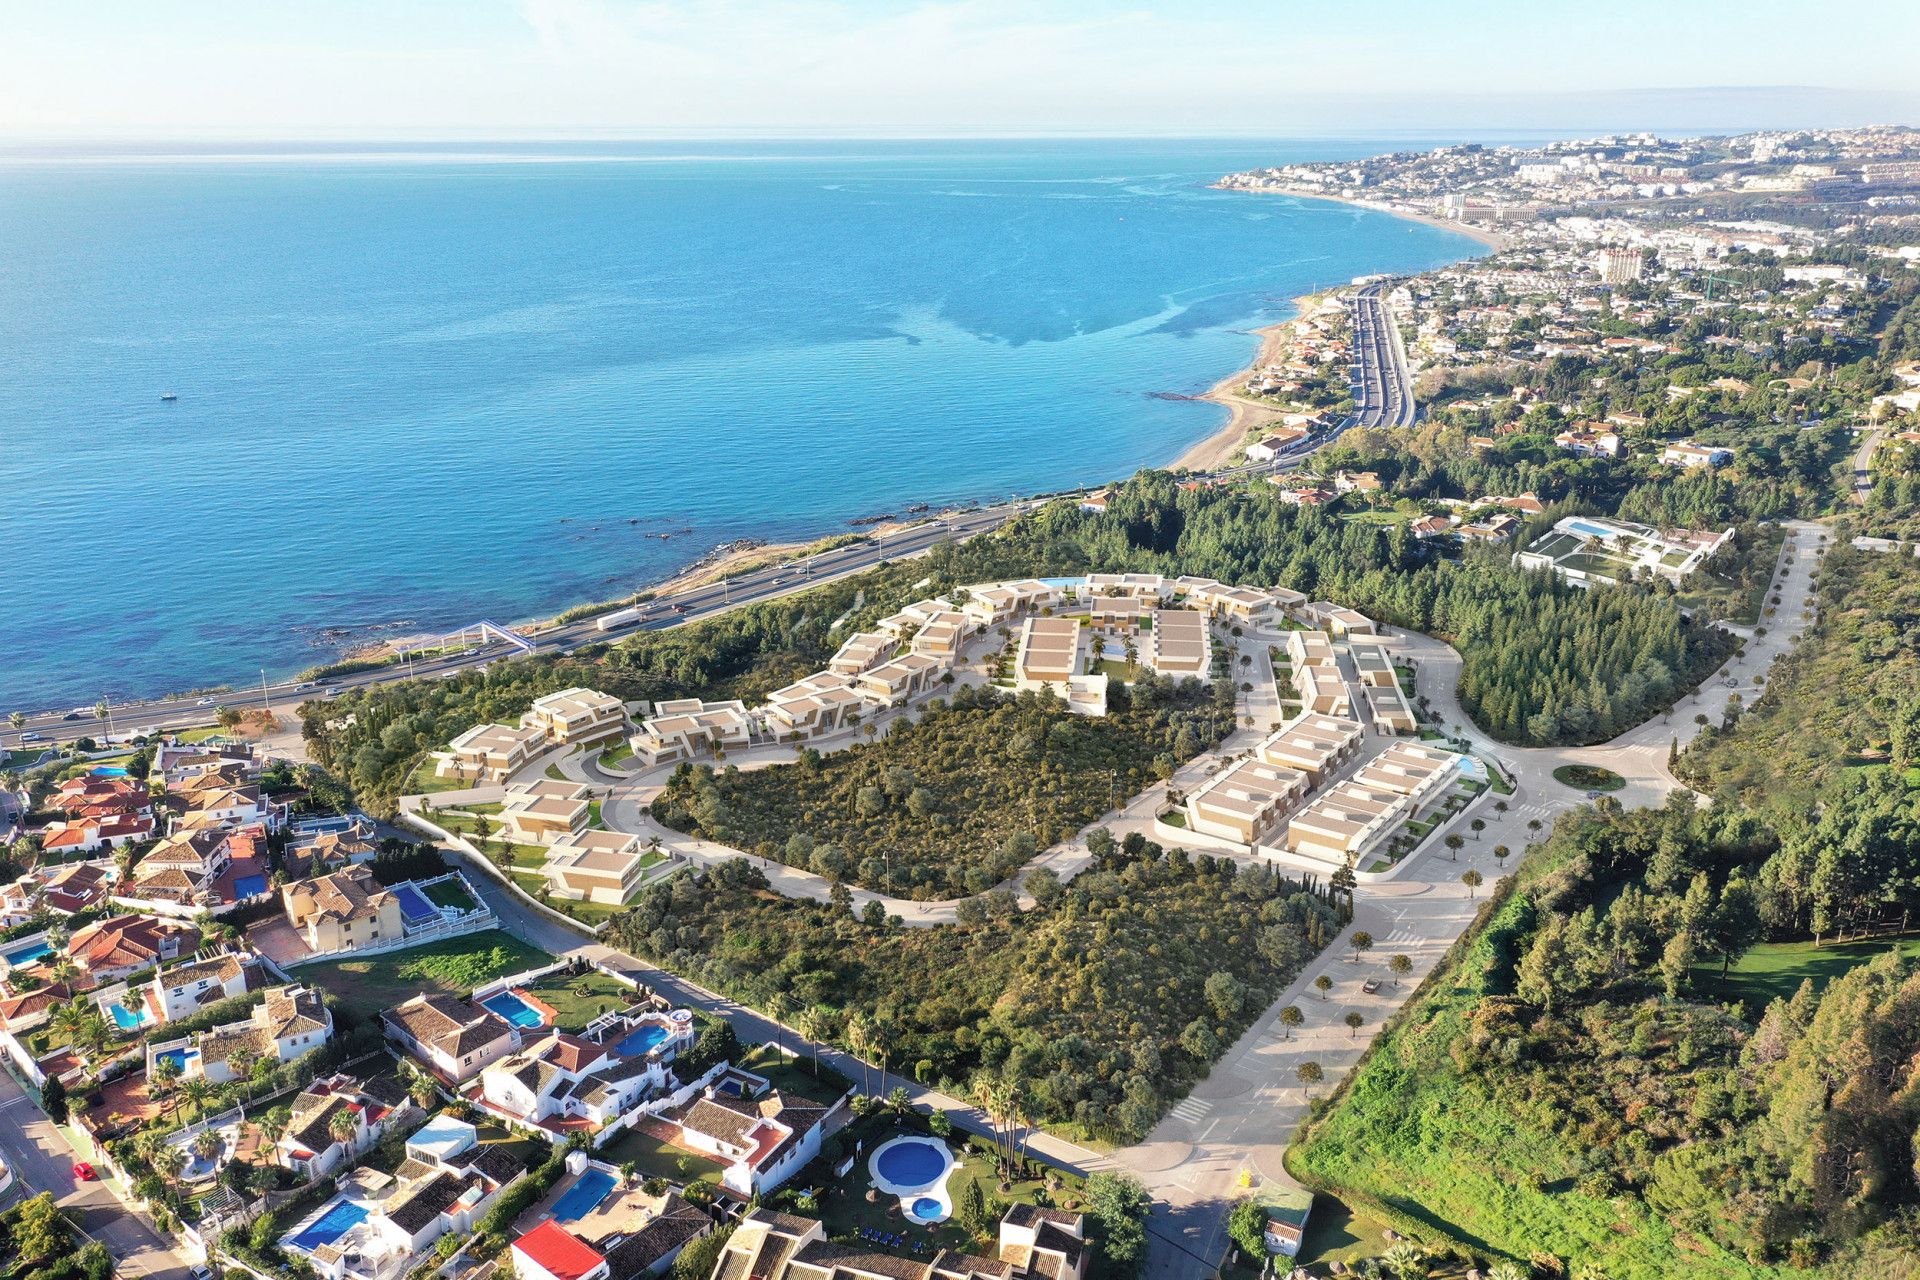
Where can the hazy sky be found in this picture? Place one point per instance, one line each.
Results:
(670, 67)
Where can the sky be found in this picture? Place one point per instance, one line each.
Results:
(674, 68)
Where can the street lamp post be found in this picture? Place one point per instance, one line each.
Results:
(265, 696)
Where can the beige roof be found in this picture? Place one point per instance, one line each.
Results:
(1049, 647)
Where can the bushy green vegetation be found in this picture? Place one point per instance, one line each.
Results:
(1563, 1087)
(1100, 1006)
(959, 800)
(1847, 695)
(368, 984)
(1545, 663)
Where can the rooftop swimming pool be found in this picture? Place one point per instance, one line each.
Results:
(414, 904)
(514, 1009)
(642, 1040)
(341, 1218)
(584, 1196)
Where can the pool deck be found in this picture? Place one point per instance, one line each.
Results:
(624, 1209)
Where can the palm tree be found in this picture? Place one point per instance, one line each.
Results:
(779, 1008)
(273, 1124)
(169, 1161)
(418, 1084)
(207, 1144)
(343, 1126)
(196, 1090)
(63, 969)
(16, 718)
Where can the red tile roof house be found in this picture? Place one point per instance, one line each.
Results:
(763, 1140)
(77, 886)
(551, 1252)
(454, 1038)
(111, 949)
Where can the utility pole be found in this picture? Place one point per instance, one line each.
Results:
(264, 695)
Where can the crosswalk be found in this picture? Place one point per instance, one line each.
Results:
(1192, 1110)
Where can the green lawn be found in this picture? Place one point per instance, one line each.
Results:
(656, 1157)
(796, 1075)
(619, 751)
(579, 998)
(1336, 1233)
(450, 893)
(369, 984)
(424, 782)
(1778, 968)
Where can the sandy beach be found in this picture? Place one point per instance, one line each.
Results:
(1245, 413)
(1494, 240)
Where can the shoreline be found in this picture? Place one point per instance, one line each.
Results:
(1213, 450)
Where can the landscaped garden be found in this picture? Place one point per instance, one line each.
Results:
(1588, 777)
(578, 998)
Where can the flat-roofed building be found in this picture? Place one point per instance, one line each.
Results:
(1049, 658)
(822, 703)
(490, 752)
(1246, 802)
(683, 728)
(1291, 603)
(1049, 651)
(941, 635)
(1372, 666)
(1248, 606)
(1310, 649)
(1001, 601)
(1314, 744)
(913, 617)
(534, 813)
(595, 866)
(1345, 821)
(862, 652)
(1118, 615)
(1411, 770)
(577, 715)
(1139, 586)
(1339, 620)
(1321, 689)
(1389, 709)
(1179, 645)
(894, 683)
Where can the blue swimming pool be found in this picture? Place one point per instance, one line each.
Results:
(107, 771)
(28, 954)
(249, 886)
(927, 1209)
(514, 1009)
(129, 1019)
(911, 1162)
(330, 1226)
(1589, 530)
(414, 904)
(180, 1058)
(583, 1196)
(642, 1041)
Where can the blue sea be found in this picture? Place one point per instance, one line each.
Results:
(419, 386)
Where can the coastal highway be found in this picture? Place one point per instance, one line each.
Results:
(691, 605)
(1382, 389)
(1383, 396)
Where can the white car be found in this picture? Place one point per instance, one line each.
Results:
(204, 702)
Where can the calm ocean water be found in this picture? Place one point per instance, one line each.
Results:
(432, 386)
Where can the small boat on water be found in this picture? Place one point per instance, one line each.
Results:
(169, 395)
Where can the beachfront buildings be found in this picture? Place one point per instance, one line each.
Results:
(1246, 802)
(544, 811)
(490, 752)
(1034, 1244)
(1179, 645)
(576, 717)
(595, 866)
(343, 911)
(686, 728)
(454, 1038)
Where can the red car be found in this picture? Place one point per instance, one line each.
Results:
(83, 1172)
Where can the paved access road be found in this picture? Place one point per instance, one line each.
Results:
(1382, 388)
(41, 1160)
